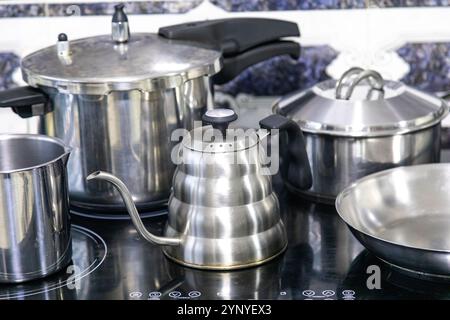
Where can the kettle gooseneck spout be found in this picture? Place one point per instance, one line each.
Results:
(132, 211)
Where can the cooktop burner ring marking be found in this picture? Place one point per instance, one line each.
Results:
(90, 234)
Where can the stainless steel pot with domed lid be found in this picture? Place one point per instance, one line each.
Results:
(362, 124)
(116, 99)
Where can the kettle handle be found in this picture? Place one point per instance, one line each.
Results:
(295, 168)
(132, 211)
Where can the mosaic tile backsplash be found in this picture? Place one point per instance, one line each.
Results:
(55, 9)
(430, 65)
(429, 62)
(94, 8)
(267, 5)
(9, 62)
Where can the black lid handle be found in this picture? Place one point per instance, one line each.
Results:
(26, 101)
(295, 168)
(234, 35)
(233, 66)
(219, 118)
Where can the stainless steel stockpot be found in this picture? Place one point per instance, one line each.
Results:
(116, 99)
(362, 124)
(34, 207)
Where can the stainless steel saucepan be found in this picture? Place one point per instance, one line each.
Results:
(35, 236)
(402, 215)
(363, 124)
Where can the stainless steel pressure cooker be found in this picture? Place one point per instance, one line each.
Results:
(116, 99)
(362, 124)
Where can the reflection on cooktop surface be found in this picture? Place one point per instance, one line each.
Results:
(73, 282)
(323, 261)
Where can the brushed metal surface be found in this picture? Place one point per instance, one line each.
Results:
(127, 133)
(402, 215)
(223, 215)
(97, 65)
(336, 162)
(34, 207)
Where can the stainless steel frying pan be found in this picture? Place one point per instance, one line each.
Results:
(402, 215)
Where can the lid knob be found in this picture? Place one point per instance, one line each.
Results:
(219, 118)
(120, 28)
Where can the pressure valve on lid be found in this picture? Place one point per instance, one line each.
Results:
(120, 28)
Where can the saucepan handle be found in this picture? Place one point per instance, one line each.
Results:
(26, 101)
(295, 168)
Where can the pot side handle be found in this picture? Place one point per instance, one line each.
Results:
(132, 211)
(295, 168)
(26, 101)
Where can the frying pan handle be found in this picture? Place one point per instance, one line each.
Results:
(353, 77)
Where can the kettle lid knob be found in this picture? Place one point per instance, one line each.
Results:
(219, 118)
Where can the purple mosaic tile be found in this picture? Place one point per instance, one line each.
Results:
(9, 62)
(22, 10)
(131, 7)
(430, 65)
(282, 75)
(95, 8)
(408, 3)
(273, 5)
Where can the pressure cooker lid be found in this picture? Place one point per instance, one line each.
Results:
(99, 64)
(362, 104)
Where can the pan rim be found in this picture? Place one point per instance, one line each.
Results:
(351, 187)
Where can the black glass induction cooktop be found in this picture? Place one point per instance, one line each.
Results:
(323, 262)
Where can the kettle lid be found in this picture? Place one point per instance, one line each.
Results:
(215, 137)
(119, 61)
(362, 104)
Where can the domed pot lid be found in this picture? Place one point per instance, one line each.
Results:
(362, 104)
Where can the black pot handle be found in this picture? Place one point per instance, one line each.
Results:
(233, 66)
(26, 101)
(295, 168)
(232, 36)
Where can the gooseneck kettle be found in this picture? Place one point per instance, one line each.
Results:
(223, 212)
